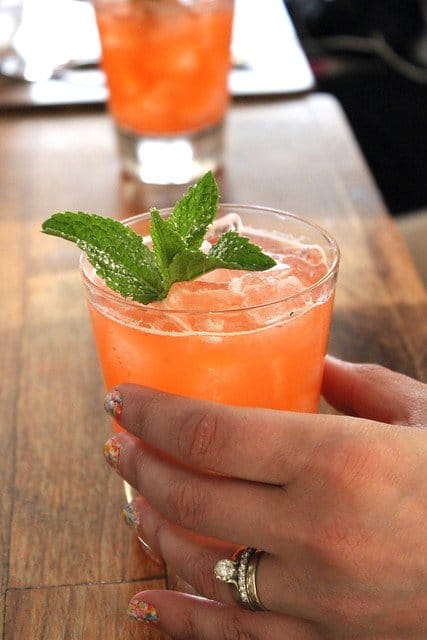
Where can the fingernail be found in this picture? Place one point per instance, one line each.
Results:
(142, 611)
(113, 404)
(112, 452)
(131, 515)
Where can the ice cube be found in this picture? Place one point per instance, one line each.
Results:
(229, 222)
(262, 287)
(197, 295)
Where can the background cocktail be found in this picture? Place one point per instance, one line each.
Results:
(167, 68)
(243, 338)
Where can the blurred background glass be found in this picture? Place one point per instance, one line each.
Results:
(167, 66)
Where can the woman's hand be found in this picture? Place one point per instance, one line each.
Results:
(338, 504)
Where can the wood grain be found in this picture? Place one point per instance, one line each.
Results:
(11, 323)
(67, 613)
(65, 496)
(64, 551)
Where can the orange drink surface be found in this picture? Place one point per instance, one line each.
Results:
(166, 62)
(237, 337)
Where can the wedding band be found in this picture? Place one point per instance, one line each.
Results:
(240, 571)
(254, 602)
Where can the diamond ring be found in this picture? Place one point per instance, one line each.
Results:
(240, 571)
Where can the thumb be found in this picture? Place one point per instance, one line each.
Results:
(374, 392)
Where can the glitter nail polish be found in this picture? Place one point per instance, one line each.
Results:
(131, 515)
(113, 404)
(142, 611)
(112, 452)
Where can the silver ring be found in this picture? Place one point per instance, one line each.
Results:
(240, 571)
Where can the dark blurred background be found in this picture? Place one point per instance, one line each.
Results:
(372, 55)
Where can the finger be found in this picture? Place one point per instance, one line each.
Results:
(253, 444)
(186, 617)
(374, 392)
(193, 558)
(228, 509)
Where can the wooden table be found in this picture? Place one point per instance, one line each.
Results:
(68, 563)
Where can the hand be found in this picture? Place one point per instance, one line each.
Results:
(337, 503)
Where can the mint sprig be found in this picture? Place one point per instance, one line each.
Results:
(195, 211)
(129, 267)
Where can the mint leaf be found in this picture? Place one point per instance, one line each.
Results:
(196, 210)
(190, 264)
(166, 241)
(230, 252)
(237, 252)
(117, 253)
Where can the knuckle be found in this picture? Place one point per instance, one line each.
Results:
(409, 395)
(200, 574)
(337, 541)
(409, 404)
(344, 463)
(201, 440)
(160, 537)
(344, 471)
(372, 371)
(145, 412)
(187, 502)
(137, 462)
(373, 375)
(354, 467)
(189, 629)
(233, 628)
(230, 627)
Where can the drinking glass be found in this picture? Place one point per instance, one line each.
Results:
(241, 338)
(166, 65)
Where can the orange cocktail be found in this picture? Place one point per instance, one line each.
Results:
(166, 64)
(243, 338)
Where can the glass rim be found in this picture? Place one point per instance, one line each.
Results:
(116, 297)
